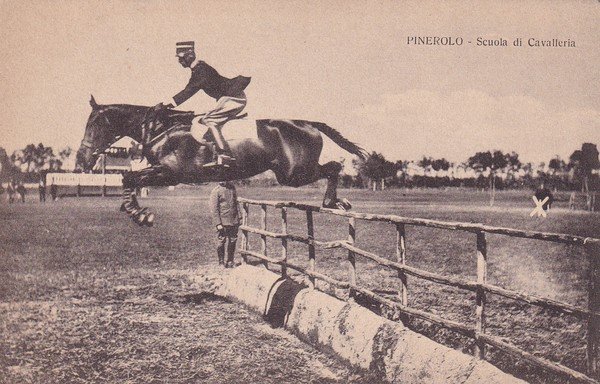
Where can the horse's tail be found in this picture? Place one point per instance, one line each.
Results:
(341, 140)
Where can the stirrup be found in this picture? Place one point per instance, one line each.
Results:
(214, 165)
(224, 159)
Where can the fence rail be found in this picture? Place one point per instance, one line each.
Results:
(84, 181)
(480, 287)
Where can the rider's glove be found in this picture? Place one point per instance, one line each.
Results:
(219, 227)
(159, 107)
(169, 103)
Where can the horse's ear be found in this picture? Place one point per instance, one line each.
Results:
(93, 102)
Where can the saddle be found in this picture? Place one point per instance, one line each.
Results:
(158, 123)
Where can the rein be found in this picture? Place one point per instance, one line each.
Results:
(86, 143)
(147, 140)
(149, 134)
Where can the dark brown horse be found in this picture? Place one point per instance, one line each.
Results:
(290, 148)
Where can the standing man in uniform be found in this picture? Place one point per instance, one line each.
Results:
(42, 188)
(229, 94)
(226, 218)
(541, 193)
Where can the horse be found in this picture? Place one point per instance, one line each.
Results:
(290, 148)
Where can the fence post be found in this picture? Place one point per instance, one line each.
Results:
(245, 212)
(593, 331)
(481, 298)
(401, 258)
(284, 241)
(351, 256)
(263, 238)
(311, 246)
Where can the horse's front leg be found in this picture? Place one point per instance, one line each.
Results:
(152, 176)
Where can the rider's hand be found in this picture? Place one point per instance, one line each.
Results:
(169, 103)
(159, 107)
(219, 227)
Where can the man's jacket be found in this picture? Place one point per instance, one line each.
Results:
(224, 206)
(206, 78)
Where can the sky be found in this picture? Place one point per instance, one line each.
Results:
(346, 63)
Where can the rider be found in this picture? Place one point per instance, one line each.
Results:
(229, 94)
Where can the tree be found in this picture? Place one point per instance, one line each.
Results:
(55, 163)
(376, 168)
(499, 161)
(25, 156)
(33, 159)
(425, 163)
(513, 165)
(42, 156)
(492, 162)
(583, 162)
(7, 168)
(557, 165)
(440, 164)
(480, 163)
(402, 167)
(528, 175)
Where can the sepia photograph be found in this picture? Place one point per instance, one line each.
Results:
(264, 191)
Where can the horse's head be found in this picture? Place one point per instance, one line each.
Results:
(106, 124)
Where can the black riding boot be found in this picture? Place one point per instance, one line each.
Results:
(230, 253)
(221, 252)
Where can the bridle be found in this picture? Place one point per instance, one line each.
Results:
(86, 143)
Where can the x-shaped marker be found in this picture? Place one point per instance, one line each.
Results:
(538, 206)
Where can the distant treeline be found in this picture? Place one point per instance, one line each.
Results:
(484, 170)
(27, 165)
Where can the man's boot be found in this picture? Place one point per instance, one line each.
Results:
(221, 248)
(221, 157)
(230, 253)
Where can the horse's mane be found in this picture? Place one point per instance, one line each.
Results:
(100, 108)
(137, 108)
(168, 116)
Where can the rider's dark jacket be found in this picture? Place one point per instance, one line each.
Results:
(206, 78)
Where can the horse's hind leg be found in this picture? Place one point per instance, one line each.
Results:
(331, 171)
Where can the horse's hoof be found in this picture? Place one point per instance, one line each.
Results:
(135, 219)
(347, 205)
(136, 216)
(122, 208)
(343, 205)
(149, 220)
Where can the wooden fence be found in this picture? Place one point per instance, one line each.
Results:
(480, 287)
(82, 180)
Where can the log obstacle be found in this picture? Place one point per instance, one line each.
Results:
(360, 337)
(480, 287)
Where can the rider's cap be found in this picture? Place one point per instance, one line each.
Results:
(184, 46)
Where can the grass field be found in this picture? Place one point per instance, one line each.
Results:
(85, 295)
